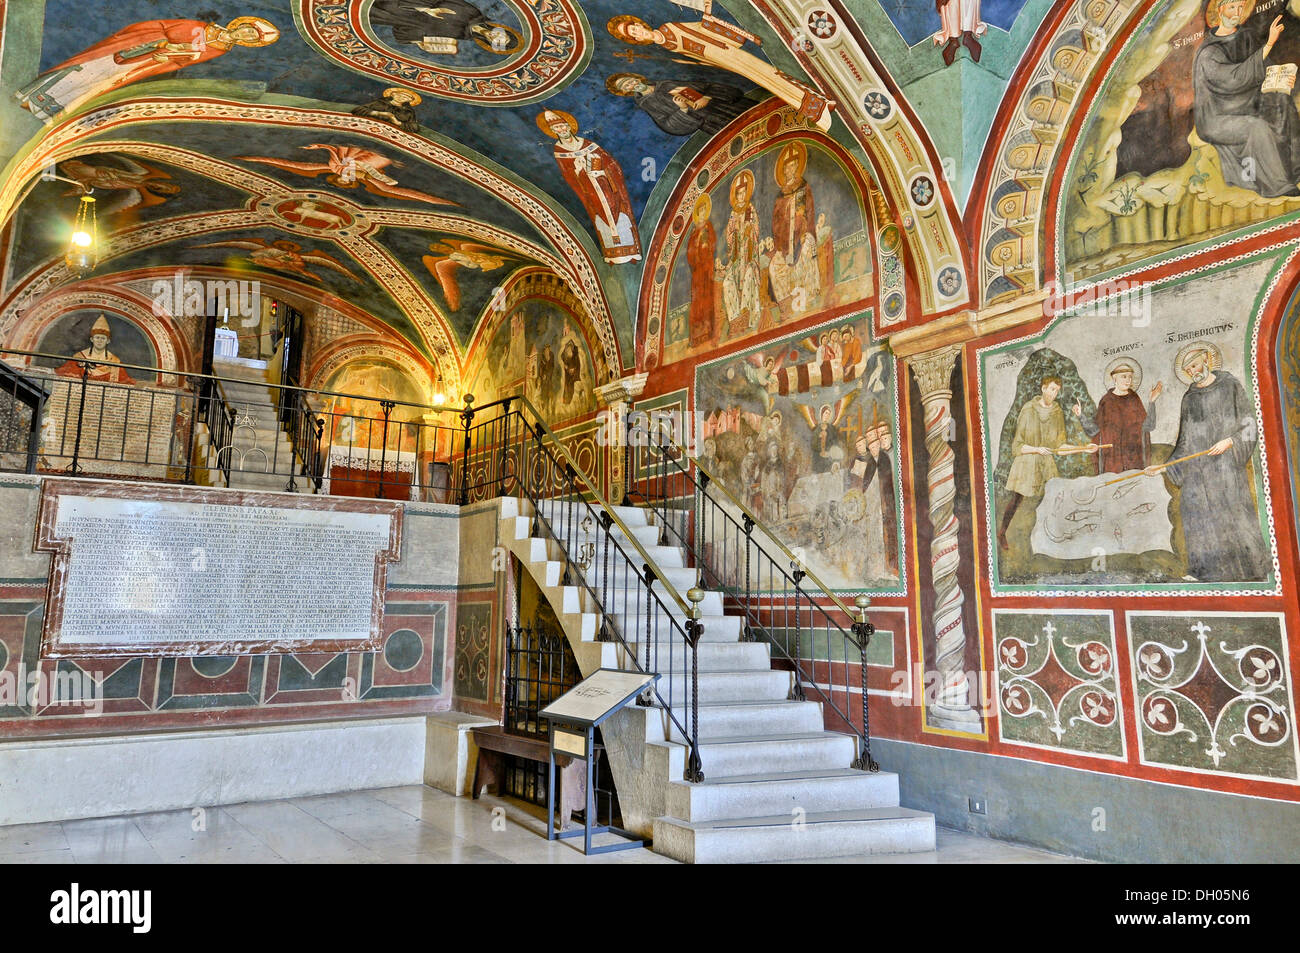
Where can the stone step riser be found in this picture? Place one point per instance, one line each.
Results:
(904, 834)
(757, 757)
(777, 718)
(712, 802)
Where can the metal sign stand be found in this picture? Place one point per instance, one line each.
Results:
(574, 718)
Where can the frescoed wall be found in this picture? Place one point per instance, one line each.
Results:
(1124, 443)
(802, 431)
(1196, 133)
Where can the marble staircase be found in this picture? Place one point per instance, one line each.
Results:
(260, 453)
(777, 785)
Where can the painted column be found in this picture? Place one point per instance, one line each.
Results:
(951, 710)
(617, 397)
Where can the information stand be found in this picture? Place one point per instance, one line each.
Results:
(574, 718)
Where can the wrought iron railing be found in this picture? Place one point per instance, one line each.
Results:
(783, 601)
(107, 418)
(616, 575)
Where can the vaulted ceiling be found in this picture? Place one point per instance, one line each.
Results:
(283, 159)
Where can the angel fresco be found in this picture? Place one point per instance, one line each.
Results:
(450, 255)
(350, 166)
(143, 185)
(680, 107)
(140, 51)
(439, 26)
(597, 179)
(717, 43)
(284, 255)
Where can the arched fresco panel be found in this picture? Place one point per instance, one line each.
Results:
(1195, 134)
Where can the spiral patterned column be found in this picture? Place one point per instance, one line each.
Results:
(951, 707)
(617, 398)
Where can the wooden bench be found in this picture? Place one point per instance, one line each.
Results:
(494, 743)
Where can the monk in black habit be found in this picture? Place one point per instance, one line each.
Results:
(681, 108)
(1256, 134)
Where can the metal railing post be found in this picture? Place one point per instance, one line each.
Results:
(864, 630)
(467, 417)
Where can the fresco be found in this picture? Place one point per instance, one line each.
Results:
(919, 22)
(1288, 379)
(803, 432)
(1213, 692)
(1195, 134)
(358, 423)
(537, 349)
(779, 239)
(1123, 444)
(1058, 681)
(74, 335)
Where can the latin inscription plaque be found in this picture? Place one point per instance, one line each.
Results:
(181, 571)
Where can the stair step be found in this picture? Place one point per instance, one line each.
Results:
(783, 837)
(762, 754)
(813, 791)
(722, 688)
(717, 628)
(779, 717)
(713, 657)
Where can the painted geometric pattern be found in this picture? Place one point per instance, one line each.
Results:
(1057, 685)
(473, 650)
(1214, 693)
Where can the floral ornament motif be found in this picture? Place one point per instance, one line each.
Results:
(1159, 714)
(1013, 653)
(1016, 700)
(801, 42)
(877, 105)
(1094, 658)
(949, 281)
(1266, 724)
(822, 24)
(1260, 668)
(1154, 662)
(893, 305)
(1098, 707)
(922, 190)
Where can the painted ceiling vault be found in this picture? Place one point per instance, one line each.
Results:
(408, 159)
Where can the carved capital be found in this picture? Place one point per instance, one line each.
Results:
(933, 372)
(622, 391)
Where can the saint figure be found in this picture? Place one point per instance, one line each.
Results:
(681, 108)
(99, 357)
(740, 281)
(1122, 424)
(718, 43)
(701, 248)
(438, 26)
(393, 107)
(1257, 142)
(139, 51)
(597, 179)
(1220, 520)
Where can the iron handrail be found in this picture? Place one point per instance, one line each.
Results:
(608, 508)
(860, 630)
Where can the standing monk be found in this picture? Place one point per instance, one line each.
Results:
(1220, 521)
(1123, 421)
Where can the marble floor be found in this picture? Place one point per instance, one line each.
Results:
(406, 825)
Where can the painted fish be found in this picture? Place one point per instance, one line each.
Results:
(1078, 516)
(1140, 509)
(1124, 489)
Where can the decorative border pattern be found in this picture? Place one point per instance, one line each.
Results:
(557, 46)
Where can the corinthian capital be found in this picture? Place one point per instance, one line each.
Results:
(933, 371)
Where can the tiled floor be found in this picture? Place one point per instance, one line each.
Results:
(393, 825)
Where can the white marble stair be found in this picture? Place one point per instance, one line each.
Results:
(777, 785)
(250, 395)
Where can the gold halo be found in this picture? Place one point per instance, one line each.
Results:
(1187, 350)
(416, 97)
(1212, 18)
(513, 48)
(267, 31)
(543, 125)
(747, 177)
(611, 82)
(1120, 362)
(800, 153)
(702, 209)
(616, 28)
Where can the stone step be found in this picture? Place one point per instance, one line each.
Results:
(814, 791)
(764, 754)
(717, 628)
(881, 830)
(713, 657)
(720, 688)
(780, 717)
